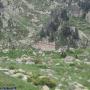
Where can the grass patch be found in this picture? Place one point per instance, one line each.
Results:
(6, 81)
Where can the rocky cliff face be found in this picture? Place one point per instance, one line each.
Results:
(20, 20)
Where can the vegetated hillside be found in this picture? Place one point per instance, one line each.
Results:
(34, 69)
(22, 20)
(26, 17)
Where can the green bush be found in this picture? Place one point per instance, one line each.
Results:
(37, 61)
(43, 80)
(11, 67)
(46, 81)
(20, 76)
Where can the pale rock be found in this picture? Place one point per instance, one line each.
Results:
(30, 62)
(83, 39)
(3, 69)
(34, 53)
(11, 72)
(20, 70)
(24, 77)
(88, 80)
(88, 17)
(72, 49)
(45, 87)
(58, 87)
(69, 59)
(5, 50)
(57, 64)
(77, 86)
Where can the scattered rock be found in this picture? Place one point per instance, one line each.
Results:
(83, 42)
(69, 59)
(88, 17)
(45, 87)
(17, 73)
(26, 60)
(58, 87)
(21, 76)
(88, 80)
(3, 69)
(77, 86)
(5, 50)
(20, 70)
(72, 50)
(30, 62)
(57, 64)
(4, 58)
(87, 63)
(48, 72)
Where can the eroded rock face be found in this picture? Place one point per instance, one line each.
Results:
(72, 37)
(83, 42)
(19, 10)
(88, 17)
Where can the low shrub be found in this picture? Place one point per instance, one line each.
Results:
(12, 67)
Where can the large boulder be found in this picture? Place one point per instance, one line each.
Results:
(77, 86)
(69, 59)
(45, 87)
(88, 17)
(83, 39)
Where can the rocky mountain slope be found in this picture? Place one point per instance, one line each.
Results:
(25, 16)
(22, 20)
(28, 68)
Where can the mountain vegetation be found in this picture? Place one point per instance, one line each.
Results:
(45, 44)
